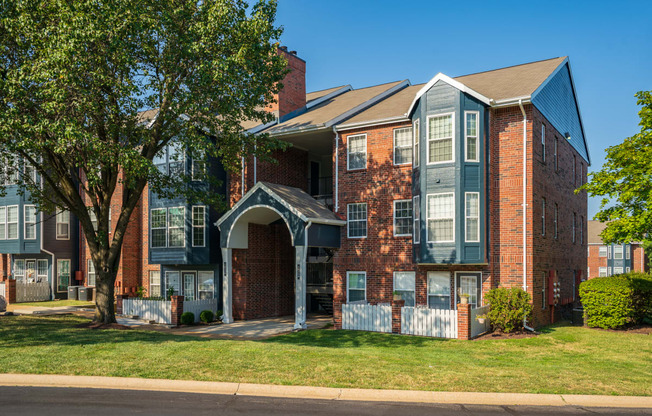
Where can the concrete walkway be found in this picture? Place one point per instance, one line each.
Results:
(259, 328)
(305, 392)
(42, 310)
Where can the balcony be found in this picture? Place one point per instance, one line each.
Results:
(322, 190)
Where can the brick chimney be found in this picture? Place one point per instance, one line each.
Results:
(293, 94)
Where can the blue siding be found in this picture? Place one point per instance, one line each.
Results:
(557, 102)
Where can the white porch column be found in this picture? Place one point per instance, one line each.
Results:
(227, 286)
(300, 287)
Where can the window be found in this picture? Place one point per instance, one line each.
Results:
(357, 220)
(63, 275)
(90, 273)
(403, 218)
(416, 138)
(469, 283)
(63, 225)
(441, 218)
(471, 133)
(159, 227)
(627, 250)
(608, 252)
(19, 269)
(29, 172)
(199, 167)
(206, 285)
(609, 273)
(440, 138)
(402, 146)
(543, 216)
(30, 222)
(41, 271)
(93, 217)
(574, 222)
(198, 226)
(618, 270)
(544, 284)
(155, 283)
(404, 286)
(581, 229)
(543, 142)
(602, 251)
(172, 282)
(357, 152)
(618, 252)
(472, 217)
(416, 211)
(556, 156)
(188, 286)
(176, 229)
(12, 222)
(176, 160)
(356, 286)
(3, 223)
(603, 272)
(439, 290)
(627, 269)
(556, 220)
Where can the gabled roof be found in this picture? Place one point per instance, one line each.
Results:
(311, 96)
(448, 80)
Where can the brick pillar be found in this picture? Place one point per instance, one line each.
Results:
(396, 315)
(464, 321)
(118, 303)
(10, 288)
(177, 310)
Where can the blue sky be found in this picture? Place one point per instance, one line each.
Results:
(365, 42)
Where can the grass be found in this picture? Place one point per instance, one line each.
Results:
(55, 303)
(564, 359)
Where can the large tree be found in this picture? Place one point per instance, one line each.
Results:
(76, 75)
(625, 183)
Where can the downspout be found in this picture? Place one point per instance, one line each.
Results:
(336, 154)
(255, 164)
(52, 283)
(520, 104)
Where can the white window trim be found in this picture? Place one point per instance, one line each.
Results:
(56, 226)
(166, 283)
(477, 136)
(622, 252)
(347, 284)
(194, 226)
(602, 269)
(161, 294)
(183, 227)
(13, 268)
(401, 147)
(394, 217)
(416, 132)
(416, 220)
(543, 216)
(428, 217)
(428, 294)
(88, 272)
(348, 153)
(16, 222)
(453, 144)
(47, 269)
(466, 217)
(414, 275)
(627, 249)
(183, 283)
(4, 222)
(26, 223)
(609, 252)
(151, 228)
(348, 221)
(456, 295)
(600, 251)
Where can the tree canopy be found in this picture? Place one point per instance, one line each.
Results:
(625, 183)
(76, 77)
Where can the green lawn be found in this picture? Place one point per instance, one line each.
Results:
(55, 303)
(563, 360)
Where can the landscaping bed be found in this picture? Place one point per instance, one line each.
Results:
(562, 359)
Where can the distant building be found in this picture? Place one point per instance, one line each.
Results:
(609, 259)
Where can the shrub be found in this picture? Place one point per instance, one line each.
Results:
(507, 308)
(617, 301)
(206, 316)
(219, 314)
(187, 318)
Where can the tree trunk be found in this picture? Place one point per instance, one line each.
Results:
(104, 296)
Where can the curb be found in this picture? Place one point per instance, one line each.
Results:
(325, 393)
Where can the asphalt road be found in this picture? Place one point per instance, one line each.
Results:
(99, 402)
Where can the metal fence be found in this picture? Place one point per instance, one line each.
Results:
(478, 328)
(197, 306)
(32, 292)
(363, 317)
(159, 311)
(440, 323)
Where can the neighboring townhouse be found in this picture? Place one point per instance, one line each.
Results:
(610, 259)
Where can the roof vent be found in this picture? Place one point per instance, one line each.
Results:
(284, 48)
(293, 52)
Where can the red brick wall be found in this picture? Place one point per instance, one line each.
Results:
(594, 261)
(639, 259)
(293, 94)
(4, 267)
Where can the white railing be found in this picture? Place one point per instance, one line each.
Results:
(440, 323)
(363, 317)
(32, 292)
(197, 306)
(159, 311)
(478, 328)
(2, 290)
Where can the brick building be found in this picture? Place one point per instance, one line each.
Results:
(610, 259)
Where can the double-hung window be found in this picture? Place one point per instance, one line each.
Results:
(356, 286)
(441, 218)
(627, 251)
(416, 211)
(3, 223)
(574, 222)
(206, 285)
(404, 286)
(556, 219)
(155, 283)
(176, 160)
(403, 218)
(357, 220)
(199, 166)
(471, 133)
(602, 251)
(543, 216)
(618, 252)
(602, 272)
(609, 252)
(12, 222)
(403, 146)
(159, 227)
(440, 138)
(439, 290)
(198, 226)
(91, 276)
(618, 270)
(63, 225)
(19, 269)
(41, 270)
(357, 152)
(472, 217)
(176, 227)
(416, 138)
(30, 222)
(543, 142)
(172, 283)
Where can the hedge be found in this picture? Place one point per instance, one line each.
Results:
(617, 301)
(508, 308)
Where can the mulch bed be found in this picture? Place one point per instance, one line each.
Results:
(637, 329)
(95, 325)
(502, 335)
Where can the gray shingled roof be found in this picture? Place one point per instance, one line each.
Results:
(594, 228)
(303, 203)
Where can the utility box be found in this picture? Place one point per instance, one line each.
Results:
(85, 293)
(73, 292)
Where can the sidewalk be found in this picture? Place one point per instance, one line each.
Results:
(327, 393)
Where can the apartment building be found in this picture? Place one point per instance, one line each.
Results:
(609, 259)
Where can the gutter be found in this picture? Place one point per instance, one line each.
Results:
(388, 120)
(337, 168)
(520, 104)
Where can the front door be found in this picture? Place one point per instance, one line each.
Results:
(63, 275)
(188, 285)
(470, 283)
(30, 271)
